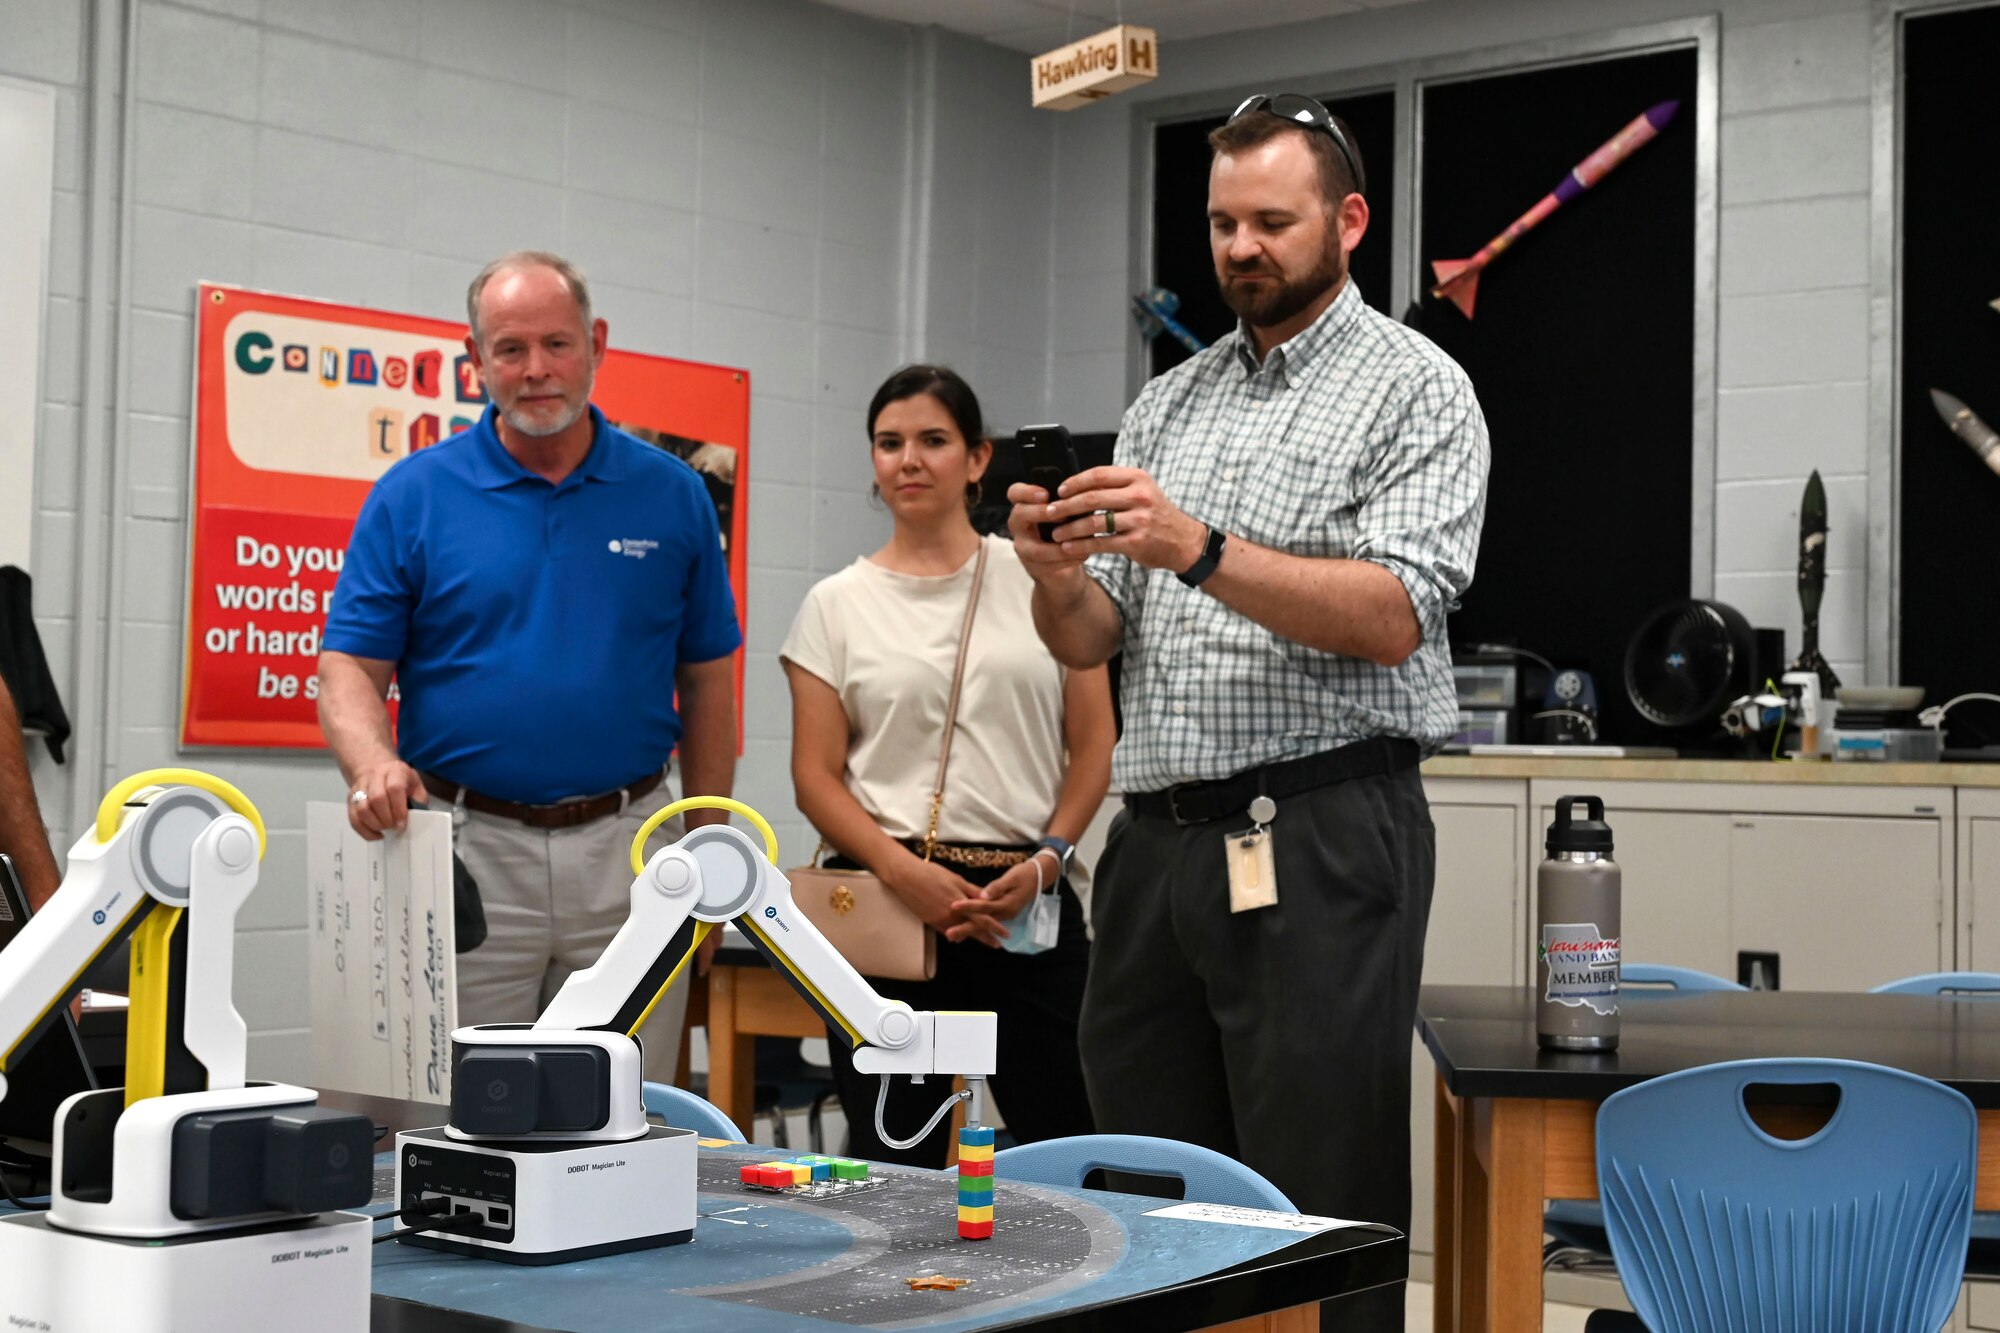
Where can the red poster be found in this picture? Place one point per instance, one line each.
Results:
(299, 407)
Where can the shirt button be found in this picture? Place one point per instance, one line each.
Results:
(1179, 709)
(1187, 622)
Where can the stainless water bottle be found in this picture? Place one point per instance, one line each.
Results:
(1577, 932)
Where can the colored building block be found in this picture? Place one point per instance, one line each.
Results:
(773, 1175)
(983, 1199)
(984, 1214)
(801, 1175)
(984, 1168)
(975, 1153)
(753, 1175)
(846, 1168)
(975, 1231)
(976, 1138)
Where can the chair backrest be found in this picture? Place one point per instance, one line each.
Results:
(1657, 981)
(1719, 1227)
(1206, 1176)
(684, 1110)
(1974, 985)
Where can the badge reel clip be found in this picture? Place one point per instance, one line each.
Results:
(1253, 872)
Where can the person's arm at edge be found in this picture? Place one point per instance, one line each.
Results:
(707, 693)
(1089, 733)
(22, 834)
(354, 717)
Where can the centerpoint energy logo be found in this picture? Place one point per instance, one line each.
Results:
(292, 383)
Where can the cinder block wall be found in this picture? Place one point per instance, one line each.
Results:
(738, 177)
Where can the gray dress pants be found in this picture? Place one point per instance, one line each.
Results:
(1278, 1036)
(553, 899)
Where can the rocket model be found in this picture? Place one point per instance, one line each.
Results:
(1459, 278)
(1984, 440)
(1155, 310)
(1812, 585)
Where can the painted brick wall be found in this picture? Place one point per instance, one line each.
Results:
(735, 177)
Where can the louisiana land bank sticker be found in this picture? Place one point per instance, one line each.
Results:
(1583, 966)
(1230, 1215)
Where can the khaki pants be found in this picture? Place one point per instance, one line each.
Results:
(553, 900)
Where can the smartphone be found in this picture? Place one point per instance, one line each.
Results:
(1048, 460)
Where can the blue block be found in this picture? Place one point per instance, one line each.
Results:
(976, 1138)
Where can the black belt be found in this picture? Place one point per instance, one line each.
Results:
(1199, 802)
(567, 814)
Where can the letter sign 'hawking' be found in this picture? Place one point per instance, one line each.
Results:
(1082, 72)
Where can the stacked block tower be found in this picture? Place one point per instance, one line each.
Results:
(975, 1184)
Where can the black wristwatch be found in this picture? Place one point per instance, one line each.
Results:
(1211, 556)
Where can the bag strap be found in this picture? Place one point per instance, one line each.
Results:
(951, 707)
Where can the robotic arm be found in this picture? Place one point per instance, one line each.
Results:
(161, 839)
(713, 875)
(190, 1144)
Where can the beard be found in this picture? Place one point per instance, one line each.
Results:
(1266, 305)
(540, 425)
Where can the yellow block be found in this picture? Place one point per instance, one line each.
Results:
(984, 1214)
(982, 1152)
(801, 1175)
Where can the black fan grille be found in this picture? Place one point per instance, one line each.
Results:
(1680, 665)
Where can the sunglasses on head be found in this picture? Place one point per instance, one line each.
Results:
(1305, 111)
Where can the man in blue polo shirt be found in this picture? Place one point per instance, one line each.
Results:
(540, 587)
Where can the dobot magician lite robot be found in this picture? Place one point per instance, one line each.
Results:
(191, 1197)
(549, 1157)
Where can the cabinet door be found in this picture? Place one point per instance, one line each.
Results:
(1982, 898)
(1847, 902)
(1476, 911)
(1673, 886)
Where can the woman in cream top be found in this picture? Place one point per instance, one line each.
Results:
(870, 660)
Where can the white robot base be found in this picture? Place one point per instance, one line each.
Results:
(549, 1203)
(316, 1270)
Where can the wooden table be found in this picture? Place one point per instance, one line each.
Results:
(1517, 1125)
(743, 998)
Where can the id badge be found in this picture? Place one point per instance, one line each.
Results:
(1035, 928)
(1253, 872)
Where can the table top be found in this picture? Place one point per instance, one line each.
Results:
(1483, 1038)
(1062, 1260)
(1609, 769)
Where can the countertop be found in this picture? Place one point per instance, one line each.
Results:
(1823, 773)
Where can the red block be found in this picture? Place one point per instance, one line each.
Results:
(975, 1168)
(753, 1175)
(777, 1177)
(975, 1231)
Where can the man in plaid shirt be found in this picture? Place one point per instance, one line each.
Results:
(1292, 514)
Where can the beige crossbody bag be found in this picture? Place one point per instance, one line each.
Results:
(861, 916)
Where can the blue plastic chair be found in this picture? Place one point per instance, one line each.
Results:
(1972, 985)
(1577, 1225)
(684, 1110)
(1984, 1259)
(1654, 981)
(1206, 1176)
(1719, 1227)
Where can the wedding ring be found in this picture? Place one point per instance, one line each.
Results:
(1110, 524)
(359, 798)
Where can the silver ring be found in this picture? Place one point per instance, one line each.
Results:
(1110, 524)
(359, 798)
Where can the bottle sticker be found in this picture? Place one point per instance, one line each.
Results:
(1582, 967)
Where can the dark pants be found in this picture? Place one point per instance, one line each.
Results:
(1278, 1036)
(1038, 1084)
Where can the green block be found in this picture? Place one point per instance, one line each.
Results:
(846, 1168)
